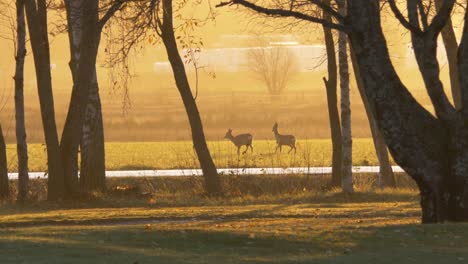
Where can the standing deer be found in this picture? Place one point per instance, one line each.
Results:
(240, 140)
(284, 140)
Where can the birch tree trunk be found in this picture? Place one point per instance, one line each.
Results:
(69, 143)
(84, 120)
(332, 103)
(93, 171)
(21, 145)
(347, 144)
(4, 186)
(36, 14)
(386, 176)
(210, 174)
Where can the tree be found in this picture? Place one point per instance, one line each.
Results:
(451, 48)
(274, 66)
(386, 176)
(332, 102)
(21, 144)
(4, 186)
(433, 150)
(347, 150)
(84, 124)
(166, 32)
(36, 14)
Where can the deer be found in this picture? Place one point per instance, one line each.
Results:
(240, 140)
(284, 140)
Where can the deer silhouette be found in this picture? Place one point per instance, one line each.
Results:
(284, 140)
(240, 140)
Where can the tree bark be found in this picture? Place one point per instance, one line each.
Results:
(416, 139)
(332, 103)
(451, 49)
(93, 171)
(69, 143)
(37, 24)
(386, 176)
(21, 144)
(210, 174)
(347, 173)
(83, 19)
(4, 186)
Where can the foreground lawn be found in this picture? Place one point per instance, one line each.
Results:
(180, 154)
(362, 228)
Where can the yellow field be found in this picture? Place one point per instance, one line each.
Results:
(180, 154)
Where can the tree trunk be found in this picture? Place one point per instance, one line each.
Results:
(83, 25)
(212, 181)
(332, 103)
(386, 176)
(347, 180)
(69, 142)
(37, 24)
(93, 171)
(92, 167)
(416, 139)
(451, 49)
(4, 187)
(21, 145)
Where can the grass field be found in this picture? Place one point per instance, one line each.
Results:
(366, 227)
(168, 155)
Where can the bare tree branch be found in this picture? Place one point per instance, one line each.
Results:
(402, 19)
(276, 12)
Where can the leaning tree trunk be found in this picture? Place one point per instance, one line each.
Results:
(93, 171)
(21, 145)
(4, 187)
(332, 103)
(386, 176)
(212, 181)
(37, 25)
(451, 49)
(347, 180)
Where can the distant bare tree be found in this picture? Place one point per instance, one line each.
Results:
(274, 66)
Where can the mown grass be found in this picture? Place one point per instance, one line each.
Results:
(180, 154)
(261, 219)
(366, 227)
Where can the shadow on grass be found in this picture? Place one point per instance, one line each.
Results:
(135, 244)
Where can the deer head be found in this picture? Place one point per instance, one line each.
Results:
(275, 127)
(228, 134)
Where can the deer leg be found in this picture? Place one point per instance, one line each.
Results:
(281, 148)
(290, 149)
(251, 148)
(246, 148)
(238, 151)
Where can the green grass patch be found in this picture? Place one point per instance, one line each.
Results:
(180, 154)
